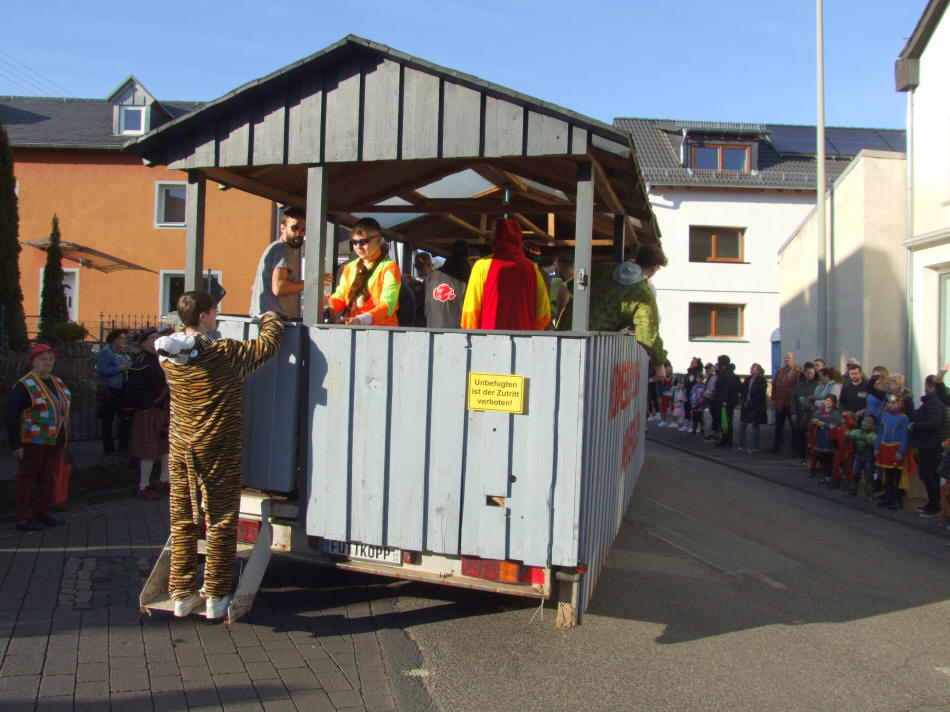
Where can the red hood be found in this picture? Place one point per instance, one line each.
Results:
(506, 240)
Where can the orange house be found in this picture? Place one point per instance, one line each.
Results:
(122, 223)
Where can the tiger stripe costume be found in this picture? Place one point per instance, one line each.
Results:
(207, 406)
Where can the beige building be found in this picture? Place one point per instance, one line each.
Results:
(921, 71)
(866, 219)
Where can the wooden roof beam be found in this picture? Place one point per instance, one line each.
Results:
(532, 226)
(249, 185)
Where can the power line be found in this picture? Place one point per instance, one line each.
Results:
(14, 80)
(11, 73)
(59, 89)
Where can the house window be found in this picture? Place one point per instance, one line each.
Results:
(131, 120)
(70, 291)
(172, 286)
(716, 244)
(716, 321)
(718, 158)
(170, 204)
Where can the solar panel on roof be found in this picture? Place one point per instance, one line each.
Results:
(895, 139)
(793, 139)
(850, 142)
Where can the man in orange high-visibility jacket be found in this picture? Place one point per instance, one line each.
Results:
(505, 289)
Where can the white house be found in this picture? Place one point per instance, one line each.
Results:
(726, 197)
(921, 71)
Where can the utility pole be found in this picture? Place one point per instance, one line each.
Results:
(822, 282)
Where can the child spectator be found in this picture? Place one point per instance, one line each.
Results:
(863, 441)
(824, 420)
(679, 405)
(697, 403)
(714, 424)
(891, 447)
(841, 467)
(666, 398)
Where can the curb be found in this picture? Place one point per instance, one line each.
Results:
(896, 516)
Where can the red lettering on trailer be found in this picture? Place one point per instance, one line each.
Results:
(631, 440)
(624, 386)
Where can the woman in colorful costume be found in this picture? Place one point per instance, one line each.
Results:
(37, 420)
(368, 292)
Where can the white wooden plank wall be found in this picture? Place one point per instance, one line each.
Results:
(381, 112)
(305, 123)
(409, 444)
(487, 457)
(341, 123)
(418, 468)
(446, 469)
(420, 115)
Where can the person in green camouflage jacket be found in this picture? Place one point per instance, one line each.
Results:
(622, 298)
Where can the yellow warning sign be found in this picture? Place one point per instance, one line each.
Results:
(496, 391)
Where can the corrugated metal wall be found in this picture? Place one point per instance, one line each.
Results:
(613, 446)
(271, 408)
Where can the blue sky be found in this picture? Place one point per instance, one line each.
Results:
(731, 60)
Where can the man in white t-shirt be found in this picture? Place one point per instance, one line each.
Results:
(277, 282)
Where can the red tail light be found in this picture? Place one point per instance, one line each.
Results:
(248, 530)
(504, 571)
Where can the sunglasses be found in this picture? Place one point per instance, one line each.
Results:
(362, 242)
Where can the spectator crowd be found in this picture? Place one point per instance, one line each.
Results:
(855, 432)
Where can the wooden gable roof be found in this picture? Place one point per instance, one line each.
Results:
(385, 124)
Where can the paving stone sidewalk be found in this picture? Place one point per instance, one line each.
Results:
(71, 636)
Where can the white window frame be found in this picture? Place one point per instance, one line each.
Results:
(166, 274)
(140, 110)
(74, 309)
(160, 188)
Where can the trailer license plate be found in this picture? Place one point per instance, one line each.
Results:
(363, 552)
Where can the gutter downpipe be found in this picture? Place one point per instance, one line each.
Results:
(910, 368)
(822, 282)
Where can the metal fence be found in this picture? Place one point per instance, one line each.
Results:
(97, 330)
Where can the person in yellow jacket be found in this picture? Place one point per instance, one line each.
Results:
(368, 292)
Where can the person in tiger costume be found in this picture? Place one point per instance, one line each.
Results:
(205, 380)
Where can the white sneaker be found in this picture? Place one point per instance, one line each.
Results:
(661, 424)
(187, 605)
(216, 607)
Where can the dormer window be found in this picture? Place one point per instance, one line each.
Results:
(708, 152)
(131, 120)
(720, 158)
(135, 111)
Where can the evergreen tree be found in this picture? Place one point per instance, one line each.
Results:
(11, 295)
(53, 309)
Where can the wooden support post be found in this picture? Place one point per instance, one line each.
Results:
(583, 236)
(315, 265)
(194, 230)
(620, 222)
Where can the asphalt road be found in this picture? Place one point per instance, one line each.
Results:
(723, 591)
